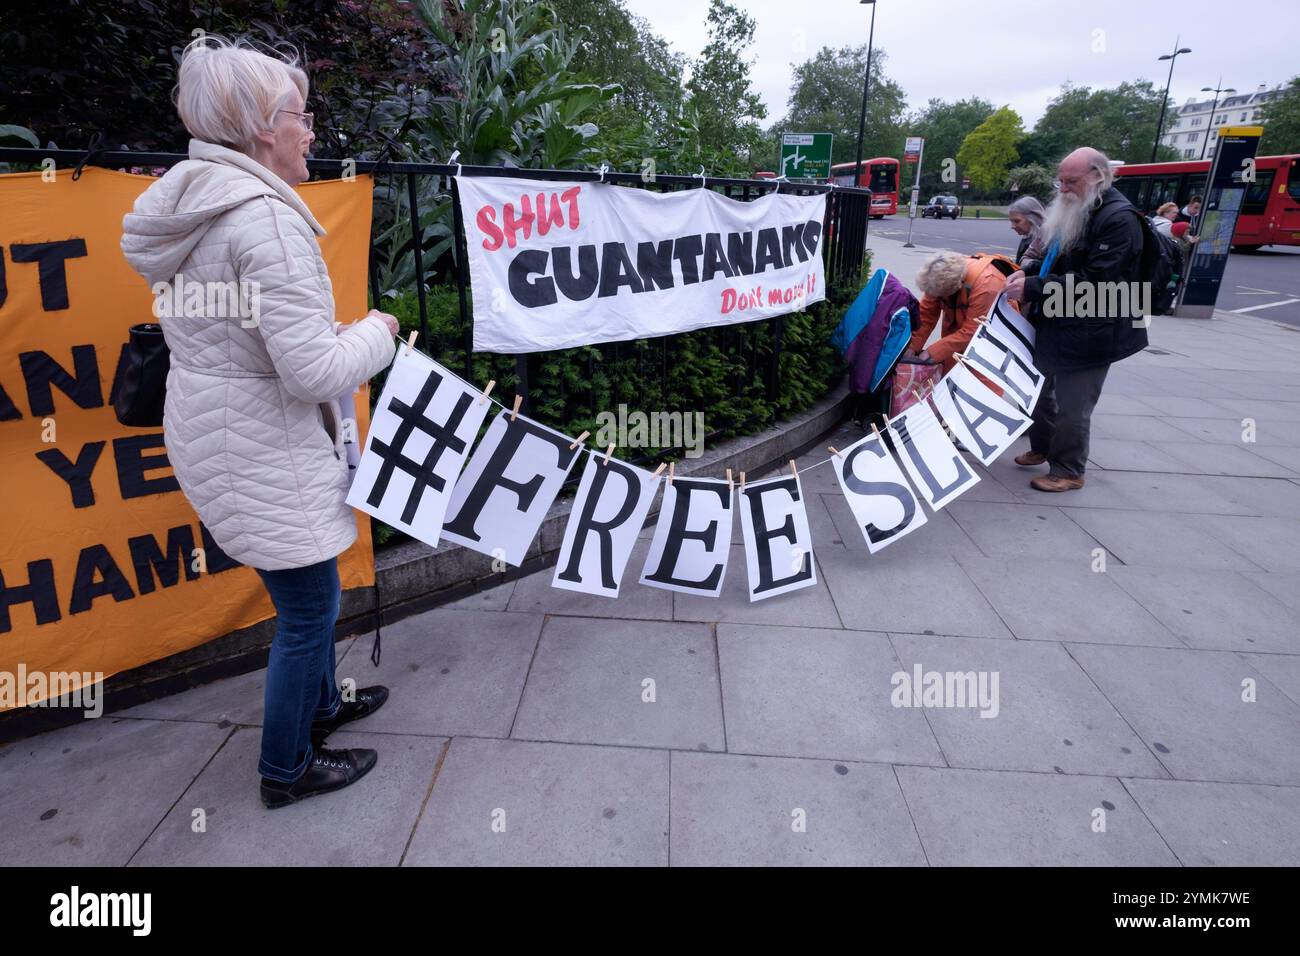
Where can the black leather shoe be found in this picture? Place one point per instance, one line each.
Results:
(329, 770)
(369, 700)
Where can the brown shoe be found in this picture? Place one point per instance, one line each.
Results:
(1056, 483)
(1030, 458)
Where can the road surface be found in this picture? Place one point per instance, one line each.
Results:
(1265, 284)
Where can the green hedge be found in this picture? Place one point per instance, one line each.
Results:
(721, 372)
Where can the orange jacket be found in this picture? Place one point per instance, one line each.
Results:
(981, 285)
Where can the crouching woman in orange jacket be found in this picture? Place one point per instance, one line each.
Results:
(961, 290)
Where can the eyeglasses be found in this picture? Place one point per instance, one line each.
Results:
(306, 118)
(1069, 181)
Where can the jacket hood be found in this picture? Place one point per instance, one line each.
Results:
(172, 216)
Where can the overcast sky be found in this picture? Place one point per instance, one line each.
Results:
(1015, 52)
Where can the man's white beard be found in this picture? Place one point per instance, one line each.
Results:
(1067, 217)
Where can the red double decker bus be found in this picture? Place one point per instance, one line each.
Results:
(880, 175)
(1270, 212)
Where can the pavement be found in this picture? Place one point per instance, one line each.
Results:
(1142, 632)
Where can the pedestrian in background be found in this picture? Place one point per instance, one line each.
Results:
(1026, 217)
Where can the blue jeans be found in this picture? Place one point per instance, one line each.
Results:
(300, 683)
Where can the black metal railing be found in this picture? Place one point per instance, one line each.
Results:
(744, 344)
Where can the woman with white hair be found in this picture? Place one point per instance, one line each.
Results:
(252, 422)
(961, 290)
(1026, 218)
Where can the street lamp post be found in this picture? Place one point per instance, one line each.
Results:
(1171, 57)
(866, 85)
(1216, 90)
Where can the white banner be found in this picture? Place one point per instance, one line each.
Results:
(612, 502)
(423, 426)
(883, 504)
(508, 486)
(692, 539)
(932, 461)
(778, 544)
(555, 265)
(1001, 350)
(981, 421)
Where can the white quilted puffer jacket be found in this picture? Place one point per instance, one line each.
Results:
(251, 417)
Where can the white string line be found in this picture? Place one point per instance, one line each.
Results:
(586, 447)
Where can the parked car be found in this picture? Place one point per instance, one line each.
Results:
(941, 206)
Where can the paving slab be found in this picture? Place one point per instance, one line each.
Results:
(1187, 706)
(1022, 531)
(1282, 671)
(1215, 610)
(1116, 454)
(984, 818)
(451, 672)
(90, 794)
(1138, 427)
(1114, 403)
(1172, 406)
(941, 535)
(801, 692)
(811, 606)
(1158, 539)
(1231, 431)
(1046, 714)
(234, 700)
(1205, 458)
(365, 824)
(535, 594)
(1066, 600)
(588, 685)
(915, 594)
(515, 803)
(1272, 543)
(1223, 824)
(491, 599)
(1288, 456)
(1283, 585)
(733, 810)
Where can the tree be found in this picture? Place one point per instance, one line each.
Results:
(1033, 179)
(1121, 122)
(109, 66)
(827, 98)
(725, 107)
(1281, 120)
(990, 148)
(614, 46)
(945, 126)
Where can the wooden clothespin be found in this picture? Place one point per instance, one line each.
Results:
(875, 428)
(671, 466)
(835, 451)
(514, 413)
(659, 471)
(487, 391)
(410, 340)
(608, 451)
(793, 470)
(742, 482)
(730, 483)
(579, 440)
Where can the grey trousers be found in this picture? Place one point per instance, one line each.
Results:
(1063, 419)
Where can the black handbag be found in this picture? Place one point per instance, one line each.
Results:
(143, 386)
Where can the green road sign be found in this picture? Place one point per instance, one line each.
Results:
(805, 156)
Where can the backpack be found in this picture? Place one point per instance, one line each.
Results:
(1162, 266)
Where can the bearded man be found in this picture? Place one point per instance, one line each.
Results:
(1097, 238)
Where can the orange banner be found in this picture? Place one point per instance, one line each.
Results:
(96, 566)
